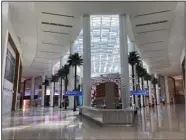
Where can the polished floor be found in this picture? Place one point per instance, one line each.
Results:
(162, 122)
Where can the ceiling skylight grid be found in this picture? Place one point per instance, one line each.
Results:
(105, 54)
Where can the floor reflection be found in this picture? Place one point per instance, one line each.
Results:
(161, 122)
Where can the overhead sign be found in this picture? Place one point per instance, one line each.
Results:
(73, 93)
(139, 92)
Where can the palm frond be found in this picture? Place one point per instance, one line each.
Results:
(46, 82)
(134, 58)
(61, 73)
(140, 70)
(66, 69)
(54, 78)
(75, 60)
(154, 81)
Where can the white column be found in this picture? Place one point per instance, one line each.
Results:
(167, 89)
(5, 17)
(157, 91)
(43, 92)
(86, 61)
(141, 96)
(71, 81)
(59, 96)
(131, 48)
(51, 93)
(150, 93)
(135, 82)
(125, 93)
(32, 91)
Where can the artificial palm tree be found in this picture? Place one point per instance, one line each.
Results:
(133, 59)
(75, 60)
(54, 79)
(45, 83)
(61, 75)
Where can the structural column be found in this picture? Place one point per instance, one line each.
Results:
(167, 90)
(125, 93)
(32, 92)
(5, 17)
(86, 61)
(43, 92)
(52, 92)
(71, 80)
(60, 96)
(157, 91)
(135, 82)
(150, 93)
(131, 48)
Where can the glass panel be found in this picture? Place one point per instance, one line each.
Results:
(105, 52)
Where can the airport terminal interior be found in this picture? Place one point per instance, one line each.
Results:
(93, 70)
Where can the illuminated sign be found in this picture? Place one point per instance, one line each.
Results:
(139, 92)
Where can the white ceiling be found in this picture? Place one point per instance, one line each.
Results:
(44, 44)
(161, 43)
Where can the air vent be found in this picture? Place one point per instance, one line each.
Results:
(56, 32)
(151, 51)
(152, 13)
(57, 24)
(41, 62)
(52, 44)
(160, 61)
(49, 52)
(151, 31)
(57, 14)
(151, 23)
(49, 58)
(151, 43)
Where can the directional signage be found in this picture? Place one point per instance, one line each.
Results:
(139, 92)
(73, 93)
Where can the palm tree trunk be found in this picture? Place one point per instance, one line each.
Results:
(66, 86)
(133, 83)
(60, 94)
(54, 93)
(142, 83)
(75, 87)
(45, 96)
(75, 77)
(66, 83)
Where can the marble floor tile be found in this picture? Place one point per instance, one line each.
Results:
(160, 122)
